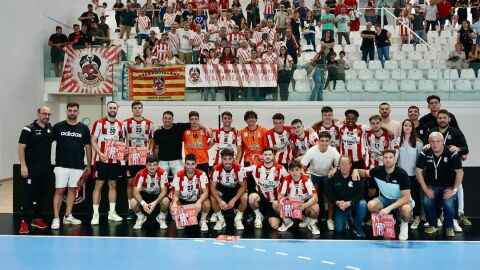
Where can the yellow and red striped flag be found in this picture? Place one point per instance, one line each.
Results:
(157, 83)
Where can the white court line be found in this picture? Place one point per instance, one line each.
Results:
(352, 267)
(328, 262)
(281, 253)
(304, 258)
(260, 250)
(200, 241)
(237, 246)
(218, 243)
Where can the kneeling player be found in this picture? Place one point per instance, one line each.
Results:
(190, 186)
(268, 175)
(228, 189)
(150, 190)
(299, 186)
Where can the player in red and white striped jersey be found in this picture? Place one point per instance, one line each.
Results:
(279, 139)
(226, 138)
(268, 176)
(161, 47)
(352, 136)
(106, 129)
(174, 39)
(228, 189)
(138, 133)
(330, 125)
(190, 186)
(244, 52)
(378, 139)
(297, 185)
(268, 9)
(151, 187)
(301, 139)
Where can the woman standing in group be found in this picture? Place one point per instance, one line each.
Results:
(318, 62)
(309, 29)
(405, 24)
(317, 10)
(284, 67)
(465, 37)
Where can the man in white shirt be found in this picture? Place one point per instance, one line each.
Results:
(142, 25)
(186, 41)
(431, 13)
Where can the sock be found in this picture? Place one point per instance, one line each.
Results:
(239, 215)
(257, 213)
(204, 216)
(460, 196)
(162, 215)
(307, 220)
(95, 208)
(140, 215)
(112, 207)
(129, 204)
(287, 220)
(219, 215)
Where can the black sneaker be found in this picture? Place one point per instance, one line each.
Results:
(131, 215)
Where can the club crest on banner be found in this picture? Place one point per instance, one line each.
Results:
(194, 75)
(159, 85)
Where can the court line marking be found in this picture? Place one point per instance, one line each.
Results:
(281, 253)
(218, 243)
(197, 240)
(237, 246)
(260, 250)
(352, 267)
(328, 262)
(304, 258)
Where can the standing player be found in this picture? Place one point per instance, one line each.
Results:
(108, 169)
(151, 187)
(226, 138)
(297, 185)
(301, 139)
(268, 175)
(138, 131)
(73, 141)
(352, 139)
(195, 141)
(279, 139)
(330, 125)
(228, 188)
(378, 139)
(190, 186)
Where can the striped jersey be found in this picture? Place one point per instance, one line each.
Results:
(269, 58)
(375, 147)
(105, 131)
(143, 24)
(190, 188)
(243, 55)
(271, 33)
(225, 140)
(168, 19)
(146, 182)
(334, 132)
(281, 144)
(300, 146)
(174, 42)
(353, 141)
(160, 50)
(268, 7)
(267, 180)
(231, 178)
(138, 133)
(303, 189)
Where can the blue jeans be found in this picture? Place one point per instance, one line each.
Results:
(422, 34)
(431, 206)
(140, 37)
(268, 16)
(253, 93)
(368, 52)
(195, 56)
(310, 38)
(372, 19)
(208, 90)
(319, 79)
(359, 210)
(383, 53)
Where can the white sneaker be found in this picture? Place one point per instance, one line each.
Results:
(403, 235)
(313, 228)
(306, 221)
(139, 223)
(456, 227)
(112, 215)
(439, 223)
(71, 220)
(161, 220)
(331, 225)
(415, 224)
(213, 217)
(287, 223)
(238, 223)
(95, 219)
(56, 224)
(258, 223)
(220, 224)
(203, 226)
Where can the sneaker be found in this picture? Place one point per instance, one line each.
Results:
(439, 223)
(71, 220)
(258, 223)
(464, 220)
(330, 225)
(95, 219)
(24, 228)
(238, 224)
(112, 215)
(305, 222)
(403, 235)
(415, 223)
(139, 223)
(161, 220)
(360, 233)
(39, 224)
(220, 224)
(431, 230)
(456, 227)
(131, 215)
(55, 224)
(313, 228)
(287, 223)
(449, 232)
(180, 227)
(213, 218)
(203, 226)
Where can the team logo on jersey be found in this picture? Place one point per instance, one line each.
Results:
(194, 75)
(159, 86)
(90, 70)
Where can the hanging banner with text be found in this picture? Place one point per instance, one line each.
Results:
(157, 83)
(231, 75)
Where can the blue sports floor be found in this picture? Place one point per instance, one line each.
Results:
(72, 253)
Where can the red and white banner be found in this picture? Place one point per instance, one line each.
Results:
(115, 150)
(233, 75)
(137, 155)
(89, 70)
(383, 226)
(291, 207)
(185, 215)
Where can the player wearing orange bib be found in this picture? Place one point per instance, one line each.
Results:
(196, 141)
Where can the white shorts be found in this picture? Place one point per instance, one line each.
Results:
(66, 177)
(173, 166)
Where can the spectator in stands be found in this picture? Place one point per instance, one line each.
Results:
(142, 25)
(341, 66)
(382, 4)
(309, 30)
(331, 4)
(293, 45)
(465, 36)
(327, 20)
(105, 28)
(474, 59)
(342, 21)
(148, 7)
(370, 15)
(159, 11)
(98, 37)
(476, 29)
(171, 59)
(135, 5)
(200, 18)
(148, 56)
(319, 62)
(280, 20)
(368, 43)
(238, 17)
(317, 10)
(431, 15)
(284, 66)
(418, 26)
(138, 62)
(152, 39)
(445, 13)
(88, 17)
(211, 59)
(74, 37)
(186, 41)
(332, 65)
(169, 18)
(456, 59)
(85, 38)
(328, 42)
(100, 9)
(118, 8)
(253, 93)
(405, 24)
(253, 14)
(462, 6)
(355, 16)
(227, 57)
(57, 41)
(382, 40)
(293, 20)
(302, 11)
(127, 21)
(475, 10)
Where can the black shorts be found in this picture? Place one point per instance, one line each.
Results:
(106, 171)
(133, 170)
(184, 202)
(266, 207)
(149, 197)
(227, 193)
(358, 165)
(204, 167)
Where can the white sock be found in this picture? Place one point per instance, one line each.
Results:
(460, 196)
(257, 212)
(140, 215)
(307, 220)
(287, 220)
(95, 208)
(219, 215)
(204, 216)
(162, 215)
(239, 215)
(129, 204)
(112, 207)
